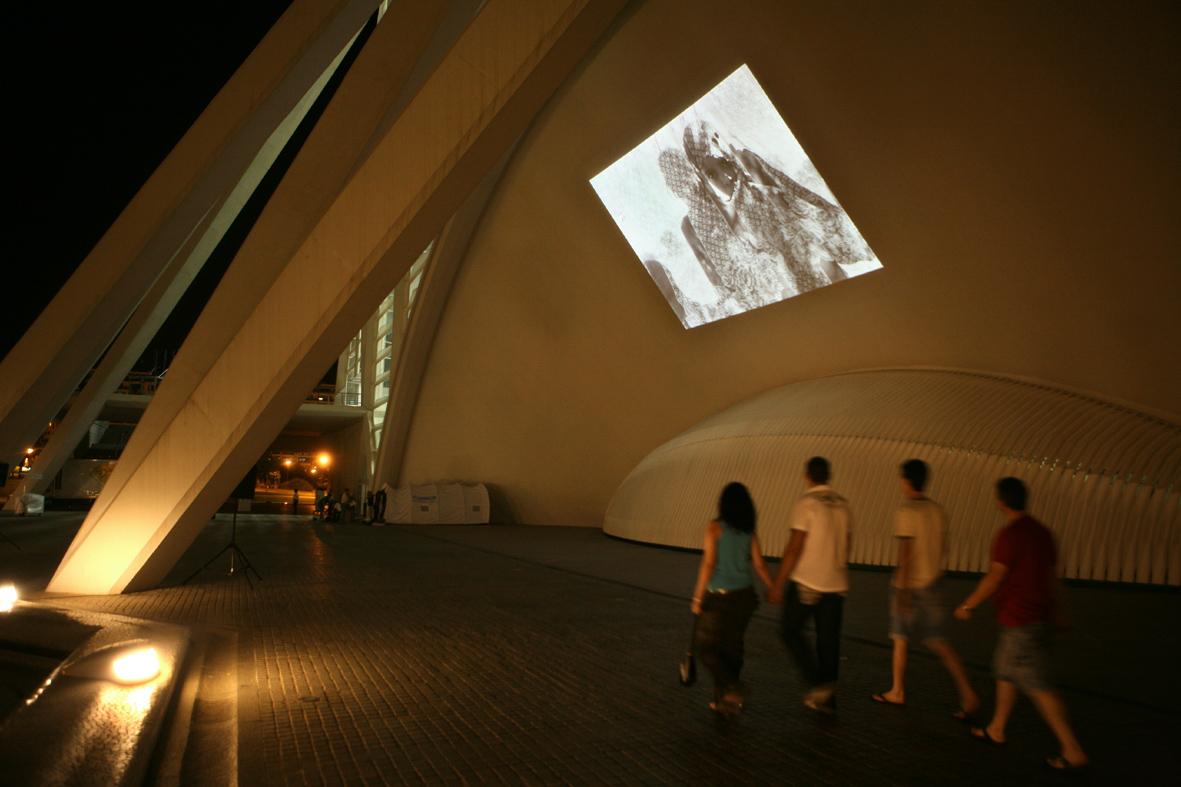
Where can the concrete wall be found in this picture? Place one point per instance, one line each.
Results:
(1013, 165)
(347, 445)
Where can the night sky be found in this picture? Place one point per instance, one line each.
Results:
(100, 93)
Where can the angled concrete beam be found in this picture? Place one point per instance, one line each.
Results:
(308, 189)
(158, 304)
(179, 201)
(450, 250)
(482, 96)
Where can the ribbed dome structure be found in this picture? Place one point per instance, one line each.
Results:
(1106, 479)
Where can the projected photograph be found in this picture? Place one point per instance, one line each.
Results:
(726, 212)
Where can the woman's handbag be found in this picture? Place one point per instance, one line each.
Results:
(689, 664)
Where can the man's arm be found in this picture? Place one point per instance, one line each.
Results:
(905, 553)
(988, 585)
(791, 556)
(756, 557)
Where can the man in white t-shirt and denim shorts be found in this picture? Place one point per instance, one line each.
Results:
(917, 611)
(816, 561)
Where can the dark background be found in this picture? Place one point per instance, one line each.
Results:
(100, 93)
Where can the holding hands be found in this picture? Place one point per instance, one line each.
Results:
(903, 601)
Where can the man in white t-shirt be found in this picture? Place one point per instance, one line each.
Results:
(816, 562)
(917, 610)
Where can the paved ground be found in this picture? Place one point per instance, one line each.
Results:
(538, 656)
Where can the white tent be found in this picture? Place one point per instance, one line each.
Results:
(30, 503)
(437, 504)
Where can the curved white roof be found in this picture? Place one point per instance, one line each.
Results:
(1105, 478)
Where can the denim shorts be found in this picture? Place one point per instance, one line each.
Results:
(1020, 657)
(925, 621)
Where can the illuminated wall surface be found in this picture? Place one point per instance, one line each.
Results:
(984, 153)
(727, 212)
(1020, 179)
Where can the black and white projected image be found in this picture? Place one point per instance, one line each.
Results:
(725, 210)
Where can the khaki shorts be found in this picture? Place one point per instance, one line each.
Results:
(1020, 657)
(925, 621)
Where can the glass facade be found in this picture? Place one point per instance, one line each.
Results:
(368, 368)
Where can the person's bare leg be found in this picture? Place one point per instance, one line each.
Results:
(969, 701)
(1053, 710)
(1006, 699)
(897, 692)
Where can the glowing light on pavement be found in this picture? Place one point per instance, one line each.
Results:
(139, 666)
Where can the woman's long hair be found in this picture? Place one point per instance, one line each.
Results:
(736, 509)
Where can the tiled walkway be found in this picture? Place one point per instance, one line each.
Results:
(539, 656)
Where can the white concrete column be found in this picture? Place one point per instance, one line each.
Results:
(242, 373)
(159, 302)
(183, 196)
(369, 339)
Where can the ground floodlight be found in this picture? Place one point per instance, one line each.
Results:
(7, 597)
(137, 667)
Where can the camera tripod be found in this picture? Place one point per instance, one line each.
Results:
(235, 551)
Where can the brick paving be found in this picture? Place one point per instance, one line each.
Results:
(547, 656)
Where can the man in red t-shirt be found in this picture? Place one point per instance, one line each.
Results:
(1022, 583)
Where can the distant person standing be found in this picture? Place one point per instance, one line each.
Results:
(816, 562)
(368, 514)
(379, 506)
(917, 610)
(294, 501)
(724, 597)
(1022, 583)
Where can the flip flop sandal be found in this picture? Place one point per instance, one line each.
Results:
(1060, 763)
(981, 733)
(726, 708)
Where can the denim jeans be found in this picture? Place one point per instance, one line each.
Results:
(718, 636)
(819, 668)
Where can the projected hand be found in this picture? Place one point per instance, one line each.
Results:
(707, 266)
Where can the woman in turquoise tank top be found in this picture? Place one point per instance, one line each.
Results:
(725, 598)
